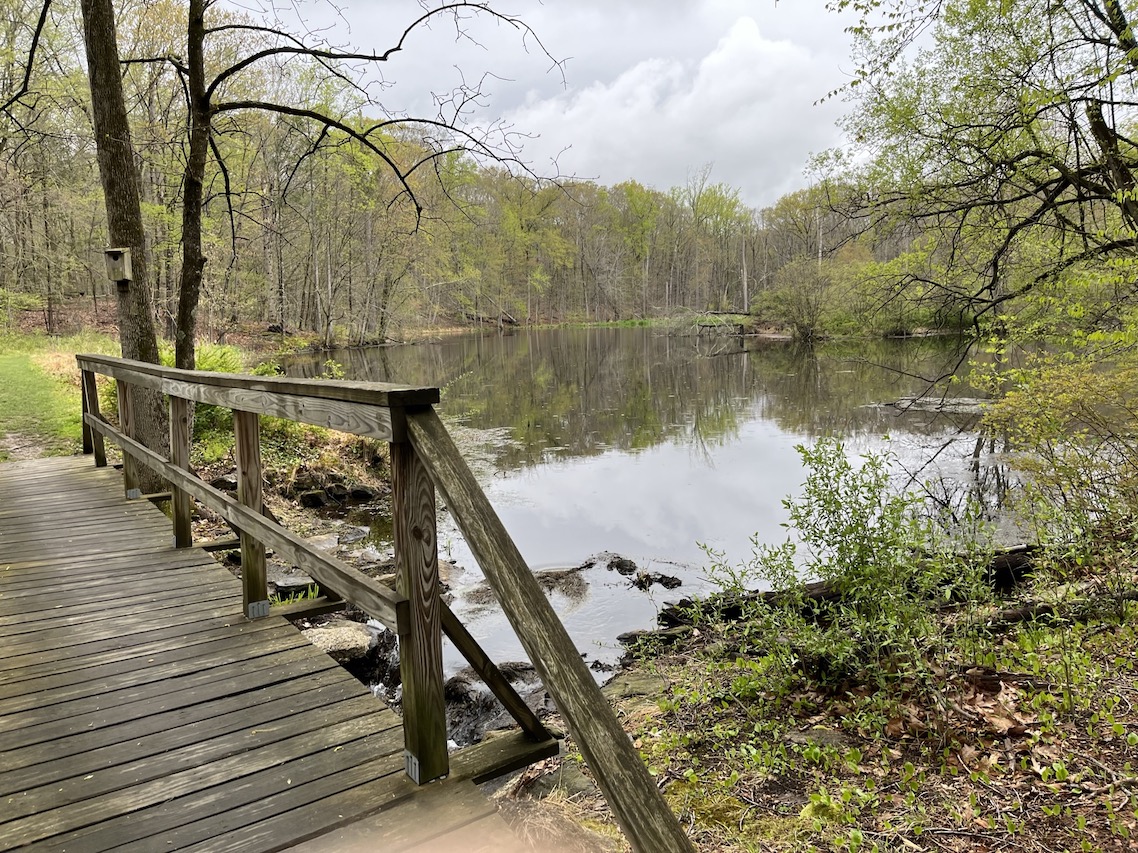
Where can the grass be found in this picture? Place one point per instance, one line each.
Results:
(40, 400)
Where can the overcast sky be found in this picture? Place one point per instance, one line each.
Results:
(650, 90)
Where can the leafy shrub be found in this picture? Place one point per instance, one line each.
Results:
(881, 557)
(1073, 420)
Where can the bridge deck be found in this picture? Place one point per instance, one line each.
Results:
(140, 710)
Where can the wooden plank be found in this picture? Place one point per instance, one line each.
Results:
(420, 645)
(130, 671)
(174, 573)
(500, 755)
(86, 718)
(91, 404)
(247, 452)
(63, 596)
(126, 424)
(272, 800)
(312, 403)
(53, 821)
(136, 550)
(214, 680)
(184, 647)
(370, 595)
(637, 804)
(114, 632)
(312, 607)
(180, 456)
(126, 777)
(28, 766)
(227, 543)
(82, 615)
(371, 393)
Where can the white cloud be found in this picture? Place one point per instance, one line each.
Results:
(652, 90)
(747, 106)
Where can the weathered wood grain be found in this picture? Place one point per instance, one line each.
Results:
(372, 393)
(363, 408)
(631, 793)
(370, 595)
(247, 453)
(126, 424)
(180, 456)
(160, 718)
(420, 645)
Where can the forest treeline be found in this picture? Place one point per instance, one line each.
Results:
(307, 228)
(988, 183)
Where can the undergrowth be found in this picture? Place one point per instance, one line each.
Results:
(907, 707)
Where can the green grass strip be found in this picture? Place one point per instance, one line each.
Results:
(39, 407)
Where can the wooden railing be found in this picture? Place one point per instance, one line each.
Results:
(423, 459)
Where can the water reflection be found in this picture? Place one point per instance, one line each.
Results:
(580, 392)
(646, 444)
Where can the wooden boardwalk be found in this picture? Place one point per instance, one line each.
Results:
(140, 710)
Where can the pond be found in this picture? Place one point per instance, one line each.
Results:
(592, 442)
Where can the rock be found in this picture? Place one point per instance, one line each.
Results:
(362, 494)
(644, 580)
(629, 684)
(371, 554)
(472, 711)
(313, 499)
(292, 585)
(337, 492)
(327, 542)
(623, 565)
(226, 483)
(568, 582)
(353, 535)
(379, 669)
(347, 641)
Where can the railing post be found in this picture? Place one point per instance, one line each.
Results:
(126, 422)
(180, 456)
(420, 646)
(247, 449)
(92, 440)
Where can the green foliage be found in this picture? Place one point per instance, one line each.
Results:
(13, 302)
(1073, 420)
(879, 555)
(309, 593)
(798, 299)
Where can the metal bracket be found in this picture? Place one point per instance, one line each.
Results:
(411, 765)
(133, 494)
(257, 609)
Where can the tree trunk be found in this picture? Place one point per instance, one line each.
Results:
(119, 177)
(193, 260)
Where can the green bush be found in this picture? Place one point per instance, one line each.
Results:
(880, 555)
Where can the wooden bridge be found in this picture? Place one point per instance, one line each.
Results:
(149, 700)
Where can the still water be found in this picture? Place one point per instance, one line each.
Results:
(650, 445)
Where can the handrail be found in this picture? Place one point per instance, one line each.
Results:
(423, 459)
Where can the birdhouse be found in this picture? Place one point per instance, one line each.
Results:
(118, 265)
